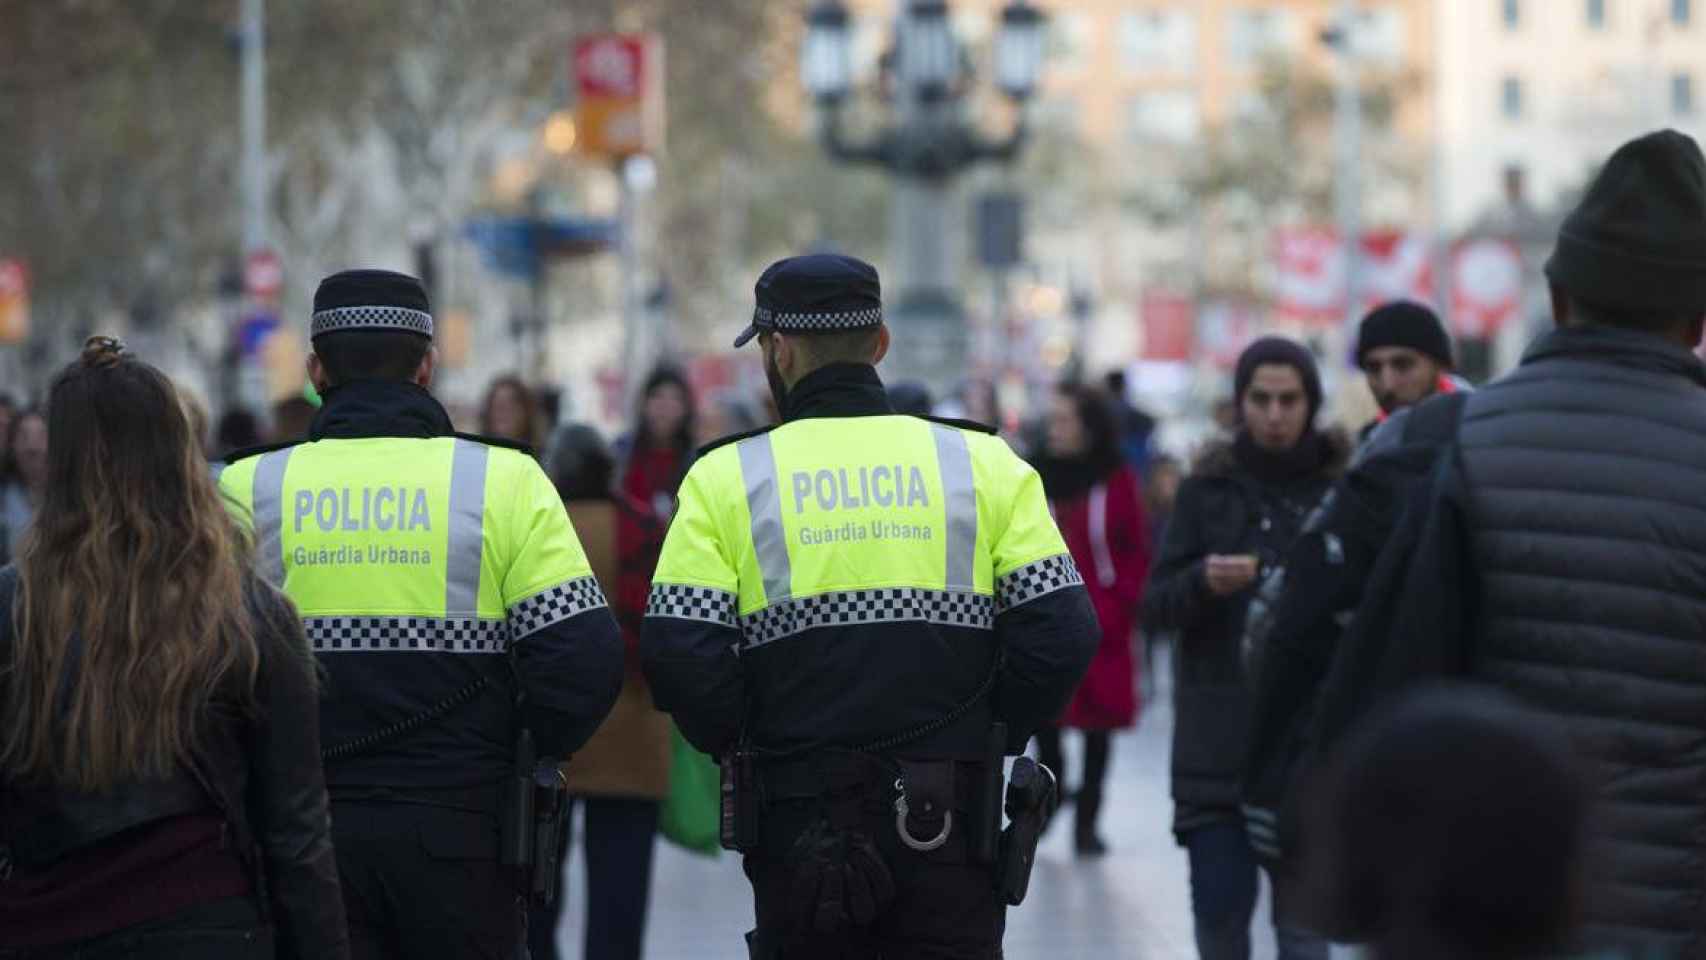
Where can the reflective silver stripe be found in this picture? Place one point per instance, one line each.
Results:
(960, 496)
(466, 543)
(764, 502)
(268, 499)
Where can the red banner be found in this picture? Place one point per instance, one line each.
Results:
(1169, 326)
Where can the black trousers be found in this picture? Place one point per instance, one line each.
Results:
(219, 930)
(619, 837)
(945, 907)
(1088, 799)
(422, 882)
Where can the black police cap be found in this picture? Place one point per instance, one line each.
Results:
(816, 293)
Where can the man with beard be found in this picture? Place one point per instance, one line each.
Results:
(1405, 352)
(848, 608)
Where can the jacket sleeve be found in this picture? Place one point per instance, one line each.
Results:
(1045, 626)
(287, 791)
(1177, 596)
(568, 651)
(691, 638)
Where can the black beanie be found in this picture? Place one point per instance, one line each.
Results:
(1272, 350)
(1637, 241)
(1404, 323)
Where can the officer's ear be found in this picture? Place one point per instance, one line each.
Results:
(423, 373)
(882, 344)
(317, 374)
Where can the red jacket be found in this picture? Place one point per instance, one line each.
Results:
(1108, 535)
(647, 495)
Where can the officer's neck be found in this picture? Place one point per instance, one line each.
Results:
(837, 390)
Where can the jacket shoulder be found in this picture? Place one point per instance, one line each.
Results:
(971, 425)
(261, 449)
(1215, 459)
(499, 442)
(734, 438)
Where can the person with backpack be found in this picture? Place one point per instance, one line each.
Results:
(1236, 513)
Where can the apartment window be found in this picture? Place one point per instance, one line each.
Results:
(1513, 14)
(1256, 34)
(1164, 116)
(1679, 12)
(1067, 40)
(1158, 40)
(1380, 34)
(1682, 94)
(1510, 98)
(1596, 14)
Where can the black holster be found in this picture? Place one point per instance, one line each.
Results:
(1031, 798)
(737, 827)
(535, 813)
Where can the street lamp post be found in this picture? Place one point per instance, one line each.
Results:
(926, 145)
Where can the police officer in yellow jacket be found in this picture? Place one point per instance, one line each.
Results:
(847, 607)
(448, 602)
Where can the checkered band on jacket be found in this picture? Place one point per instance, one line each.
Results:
(372, 318)
(766, 319)
(685, 602)
(406, 634)
(555, 605)
(855, 607)
(1034, 580)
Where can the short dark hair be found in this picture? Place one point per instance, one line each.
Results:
(823, 349)
(350, 355)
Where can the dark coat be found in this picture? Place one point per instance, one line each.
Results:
(1222, 508)
(262, 775)
(1565, 546)
(1585, 473)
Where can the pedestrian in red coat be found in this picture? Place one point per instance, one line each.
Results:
(1098, 503)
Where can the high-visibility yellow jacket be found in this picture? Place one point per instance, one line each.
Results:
(852, 574)
(422, 562)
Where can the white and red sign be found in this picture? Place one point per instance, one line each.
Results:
(263, 275)
(619, 90)
(1310, 264)
(1486, 286)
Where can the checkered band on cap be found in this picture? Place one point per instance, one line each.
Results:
(948, 608)
(765, 318)
(372, 318)
(555, 605)
(1035, 580)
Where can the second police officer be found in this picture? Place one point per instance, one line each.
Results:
(449, 603)
(860, 613)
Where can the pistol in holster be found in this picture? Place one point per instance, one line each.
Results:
(737, 825)
(1031, 799)
(535, 813)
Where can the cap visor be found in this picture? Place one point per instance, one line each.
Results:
(746, 335)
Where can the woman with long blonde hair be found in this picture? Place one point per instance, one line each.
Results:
(160, 785)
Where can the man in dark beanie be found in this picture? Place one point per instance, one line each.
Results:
(1235, 516)
(1564, 555)
(1405, 352)
(449, 604)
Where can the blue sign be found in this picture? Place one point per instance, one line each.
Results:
(517, 245)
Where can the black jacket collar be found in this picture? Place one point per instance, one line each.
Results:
(1613, 345)
(838, 390)
(375, 408)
